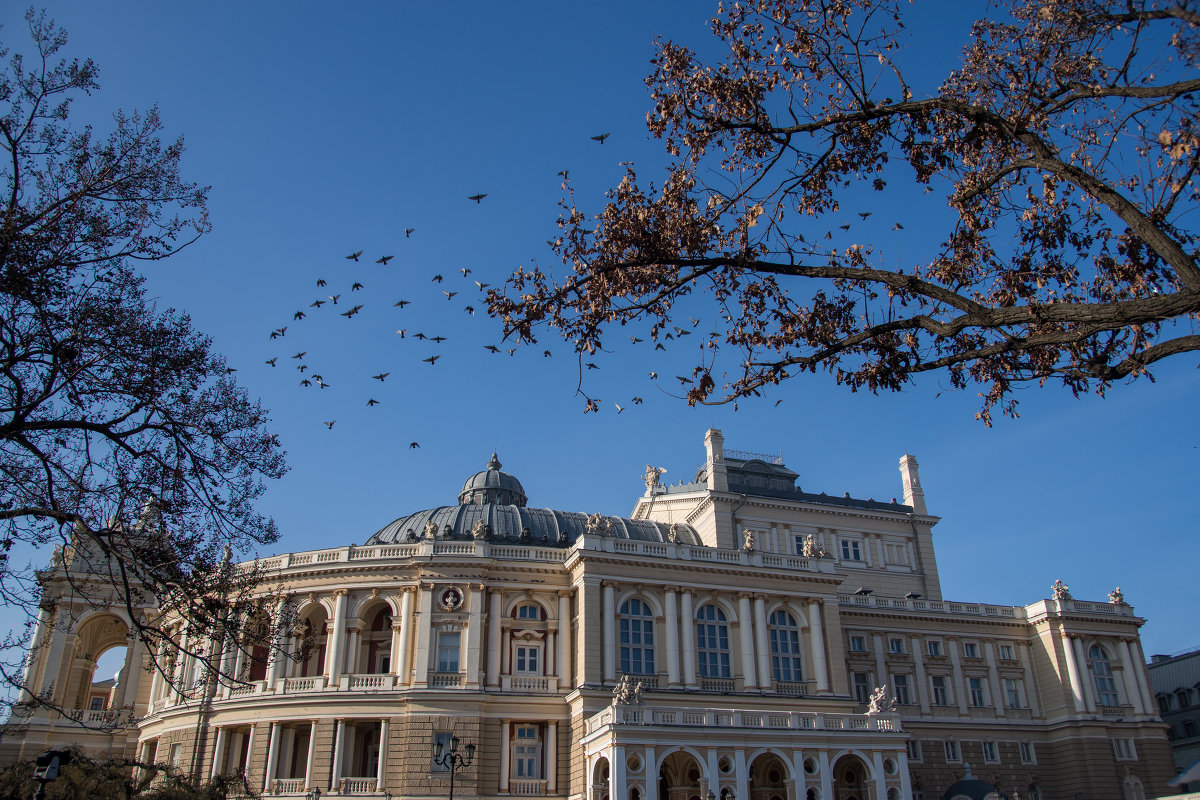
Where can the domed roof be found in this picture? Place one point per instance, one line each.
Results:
(491, 506)
(972, 788)
(492, 486)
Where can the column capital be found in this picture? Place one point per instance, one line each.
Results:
(397, 626)
(407, 589)
(340, 592)
(607, 584)
(759, 596)
(567, 593)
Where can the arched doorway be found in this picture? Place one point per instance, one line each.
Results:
(679, 777)
(600, 779)
(86, 688)
(851, 779)
(768, 778)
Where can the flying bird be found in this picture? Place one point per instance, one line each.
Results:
(465, 271)
(298, 315)
(320, 282)
(413, 445)
(381, 376)
(482, 286)
(620, 408)
(354, 287)
(422, 336)
(316, 304)
(306, 382)
(448, 294)
(845, 227)
(330, 424)
(865, 214)
(683, 380)
(408, 232)
(383, 260)
(271, 361)
(402, 332)
(547, 354)
(437, 279)
(372, 402)
(302, 367)
(437, 339)
(637, 401)
(478, 198)
(469, 309)
(653, 376)
(354, 256)
(601, 137)
(352, 312)
(401, 303)
(432, 359)
(562, 173)
(634, 339)
(694, 321)
(897, 227)
(275, 334)
(492, 348)
(334, 298)
(591, 365)
(301, 354)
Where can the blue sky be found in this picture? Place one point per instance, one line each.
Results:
(324, 131)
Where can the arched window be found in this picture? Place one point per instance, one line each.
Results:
(1033, 792)
(637, 638)
(528, 611)
(785, 647)
(712, 643)
(1102, 676)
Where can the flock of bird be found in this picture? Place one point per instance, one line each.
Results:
(338, 297)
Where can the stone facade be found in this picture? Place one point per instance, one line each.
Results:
(1175, 681)
(736, 638)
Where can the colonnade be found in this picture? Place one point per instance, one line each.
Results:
(1129, 659)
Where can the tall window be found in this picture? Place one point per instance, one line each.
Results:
(443, 738)
(900, 689)
(712, 643)
(862, 687)
(976, 691)
(896, 645)
(637, 638)
(952, 751)
(528, 659)
(527, 753)
(941, 697)
(1102, 675)
(1012, 693)
(934, 646)
(785, 647)
(447, 651)
(851, 551)
(991, 754)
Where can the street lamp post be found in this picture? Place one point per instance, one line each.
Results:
(451, 759)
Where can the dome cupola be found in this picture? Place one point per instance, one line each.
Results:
(492, 486)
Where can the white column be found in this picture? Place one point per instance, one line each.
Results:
(551, 668)
(551, 758)
(276, 657)
(616, 774)
(249, 751)
(816, 633)
(1073, 673)
(338, 749)
(183, 665)
(336, 643)
(506, 649)
(905, 781)
(350, 662)
(609, 638)
(671, 619)
(474, 637)
(687, 630)
(740, 773)
(218, 755)
(1132, 674)
(1028, 684)
(994, 678)
(402, 638)
(272, 757)
(801, 779)
(1089, 693)
(960, 684)
(826, 778)
(494, 647)
(40, 631)
(131, 671)
(922, 687)
(381, 768)
(880, 781)
(760, 642)
(422, 622)
(1139, 660)
(881, 672)
(312, 756)
(746, 631)
(505, 743)
(564, 640)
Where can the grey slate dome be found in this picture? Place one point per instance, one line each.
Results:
(492, 486)
(491, 507)
(972, 788)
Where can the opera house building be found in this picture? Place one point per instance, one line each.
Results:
(735, 638)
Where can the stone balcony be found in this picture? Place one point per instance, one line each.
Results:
(619, 714)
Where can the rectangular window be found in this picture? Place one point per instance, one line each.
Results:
(896, 645)
(934, 647)
(851, 551)
(952, 752)
(914, 749)
(900, 689)
(975, 686)
(858, 644)
(447, 651)
(444, 739)
(991, 754)
(527, 660)
(1027, 754)
(970, 650)
(1006, 652)
(941, 697)
(1012, 693)
(862, 687)
(526, 753)
(1124, 749)
(528, 611)
(97, 704)
(176, 755)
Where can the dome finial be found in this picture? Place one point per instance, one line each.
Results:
(494, 463)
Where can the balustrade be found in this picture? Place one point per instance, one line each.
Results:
(621, 714)
(358, 785)
(288, 786)
(527, 788)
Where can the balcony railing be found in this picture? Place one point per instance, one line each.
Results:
(445, 680)
(288, 786)
(358, 785)
(527, 788)
(620, 714)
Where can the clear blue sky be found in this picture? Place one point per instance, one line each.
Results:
(324, 131)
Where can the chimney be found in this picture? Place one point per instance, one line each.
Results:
(914, 495)
(714, 468)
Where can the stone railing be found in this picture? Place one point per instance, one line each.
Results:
(298, 685)
(927, 606)
(357, 785)
(373, 682)
(526, 683)
(620, 714)
(527, 788)
(445, 680)
(288, 786)
(719, 685)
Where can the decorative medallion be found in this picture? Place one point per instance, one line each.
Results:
(451, 599)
